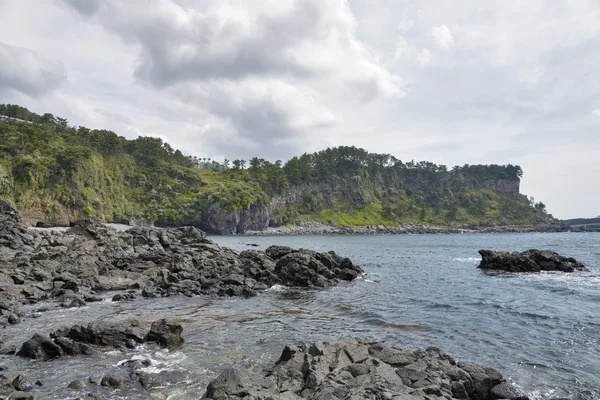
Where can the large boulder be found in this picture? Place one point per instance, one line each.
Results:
(40, 347)
(119, 334)
(165, 333)
(528, 261)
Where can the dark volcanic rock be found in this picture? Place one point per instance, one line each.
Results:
(75, 266)
(528, 261)
(354, 369)
(107, 333)
(84, 339)
(39, 347)
(165, 333)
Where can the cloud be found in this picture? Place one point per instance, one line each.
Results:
(596, 112)
(27, 72)
(256, 113)
(223, 39)
(443, 36)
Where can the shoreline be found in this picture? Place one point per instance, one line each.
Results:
(404, 229)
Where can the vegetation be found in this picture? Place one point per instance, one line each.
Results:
(54, 172)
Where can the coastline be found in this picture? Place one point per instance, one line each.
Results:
(314, 228)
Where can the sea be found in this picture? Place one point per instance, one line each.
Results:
(540, 330)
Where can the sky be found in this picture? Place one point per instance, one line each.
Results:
(452, 82)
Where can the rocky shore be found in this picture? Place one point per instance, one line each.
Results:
(77, 265)
(355, 369)
(346, 369)
(315, 228)
(81, 264)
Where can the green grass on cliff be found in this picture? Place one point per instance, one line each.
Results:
(56, 173)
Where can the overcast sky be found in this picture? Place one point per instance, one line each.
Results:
(452, 82)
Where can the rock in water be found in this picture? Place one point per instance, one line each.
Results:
(355, 369)
(528, 261)
(165, 333)
(39, 347)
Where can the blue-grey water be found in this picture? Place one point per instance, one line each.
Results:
(542, 331)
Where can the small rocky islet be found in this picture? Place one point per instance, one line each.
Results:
(528, 261)
(77, 266)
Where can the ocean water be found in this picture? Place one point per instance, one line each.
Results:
(542, 331)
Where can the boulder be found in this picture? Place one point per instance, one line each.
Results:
(39, 347)
(107, 333)
(165, 333)
(528, 261)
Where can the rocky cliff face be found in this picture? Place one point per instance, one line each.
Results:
(222, 222)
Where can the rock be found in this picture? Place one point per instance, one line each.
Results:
(111, 381)
(39, 347)
(77, 384)
(165, 333)
(107, 333)
(18, 279)
(22, 384)
(234, 383)
(353, 369)
(507, 391)
(123, 297)
(18, 395)
(528, 261)
(14, 319)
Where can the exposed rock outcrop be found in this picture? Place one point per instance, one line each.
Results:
(84, 339)
(355, 369)
(89, 258)
(528, 261)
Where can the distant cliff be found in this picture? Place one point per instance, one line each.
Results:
(54, 174)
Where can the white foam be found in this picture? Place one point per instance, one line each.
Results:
(467, 259)
(276, 288)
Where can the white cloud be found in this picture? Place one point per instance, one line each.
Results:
(443, 36)
(596, 112)
(225, 39)
(27, 72)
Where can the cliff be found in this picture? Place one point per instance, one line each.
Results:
(55, 174)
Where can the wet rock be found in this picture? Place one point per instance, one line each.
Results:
(39, 347)
(77, 384)
(18, 395)
(528, 261)
(107, 333)
(507, 391)
(165, 333)
(123, 297)
(18, 279)
(14, 319)
(20, 383)
(111, 381)
(353, 369)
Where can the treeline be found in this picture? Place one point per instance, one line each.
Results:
(348, 161)
(47, 165)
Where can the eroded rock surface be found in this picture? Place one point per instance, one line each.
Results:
(528, 261)
(90, 258)
(80, 339)
(356, 369)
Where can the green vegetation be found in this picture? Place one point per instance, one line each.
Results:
(54, 172)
